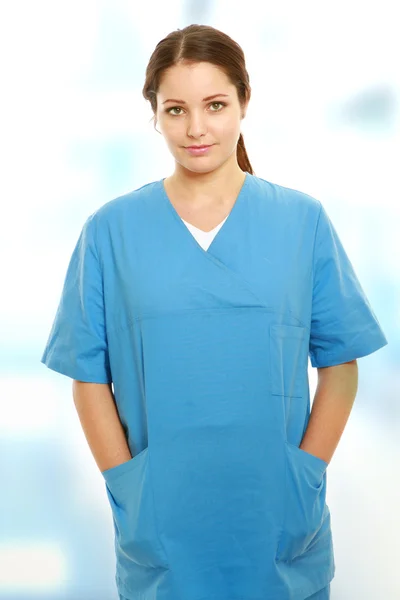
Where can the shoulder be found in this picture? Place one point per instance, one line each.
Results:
(286, 195)
(132, 200)
(289, 204)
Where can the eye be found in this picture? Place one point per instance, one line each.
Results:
(179, 108)
(221, 103)
(173, 108)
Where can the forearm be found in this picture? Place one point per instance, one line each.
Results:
(100, 421)
(332, 404)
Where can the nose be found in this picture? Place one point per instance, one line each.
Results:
(197, 126)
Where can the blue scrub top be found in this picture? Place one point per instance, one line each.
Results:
(207, 351)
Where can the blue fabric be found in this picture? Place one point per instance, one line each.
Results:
(323, 594)
(207, 352)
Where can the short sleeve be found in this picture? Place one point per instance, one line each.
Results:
(343, 324)
(77, 343)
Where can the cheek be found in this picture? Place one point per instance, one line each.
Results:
(228, 127)
(228, 134)
(172, 130)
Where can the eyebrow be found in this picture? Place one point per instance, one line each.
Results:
(183, 102)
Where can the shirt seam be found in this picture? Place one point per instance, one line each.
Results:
(315, 240)
(100, 265)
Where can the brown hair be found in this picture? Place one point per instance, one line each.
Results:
(201, 43)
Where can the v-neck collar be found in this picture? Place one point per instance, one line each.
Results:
(226, 224)
(204, 233)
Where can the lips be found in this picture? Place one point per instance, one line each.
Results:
(198, 147)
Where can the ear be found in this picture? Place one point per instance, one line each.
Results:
(244, 109)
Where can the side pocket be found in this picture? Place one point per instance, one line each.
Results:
(131, 498)
(288, 360)
(305, 509)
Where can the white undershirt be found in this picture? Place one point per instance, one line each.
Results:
(204, 238)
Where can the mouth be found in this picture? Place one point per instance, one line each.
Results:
(198, 150)
(198, 147)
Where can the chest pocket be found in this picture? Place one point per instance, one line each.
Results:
(288, 360)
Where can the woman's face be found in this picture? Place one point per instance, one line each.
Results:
(185, 119)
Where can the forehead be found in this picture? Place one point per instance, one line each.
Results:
(193, 80)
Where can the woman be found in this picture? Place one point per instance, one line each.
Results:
(189, 310)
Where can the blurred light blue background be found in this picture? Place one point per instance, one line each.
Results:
(76, 132)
